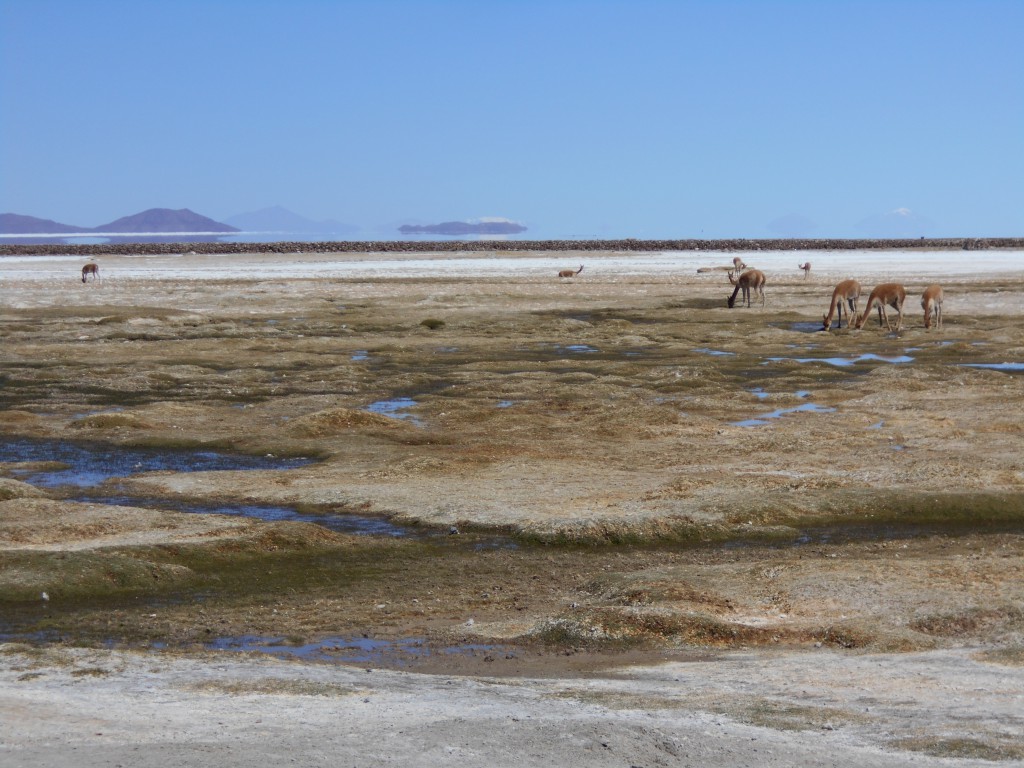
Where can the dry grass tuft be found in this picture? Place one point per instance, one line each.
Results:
(272, 686)
(14, 489)
(969, 622)
(110, 421)
(1012, 656)
(995, 748)
(336, 420)
(623, 701)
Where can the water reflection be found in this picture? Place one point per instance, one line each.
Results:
(759, 421)
(393, 409)
(84, 465)
(844, 362)
(359, 525)
(1011, 367)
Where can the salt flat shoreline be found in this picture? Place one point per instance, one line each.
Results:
(167, 246)
(911, 266)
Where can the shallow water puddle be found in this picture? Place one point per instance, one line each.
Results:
(360, 355)
(84, 465)
(1008, 367)
(713, 352)
(579, 349)
(393, 409)
(359, 525)
(805, 327)
(102, 412)
(765, 418)
(762, 394)
(844, 362)
(359, 650)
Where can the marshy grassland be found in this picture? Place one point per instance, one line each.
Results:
(582, 472)
(626, 460)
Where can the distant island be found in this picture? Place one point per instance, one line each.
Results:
(500, 227)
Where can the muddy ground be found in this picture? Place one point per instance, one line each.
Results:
(596, 472)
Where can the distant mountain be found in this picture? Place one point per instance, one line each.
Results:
(165, 220)
(16, 224)
(482, 227)
(899, 223)
(278, 219)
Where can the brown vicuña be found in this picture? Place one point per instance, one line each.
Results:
(751, 280)
(887, 294)
(931, 303)
(848, 291)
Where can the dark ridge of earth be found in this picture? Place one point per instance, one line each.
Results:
(159, 248)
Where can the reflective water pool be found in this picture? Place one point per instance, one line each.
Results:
(88, 464)
(765, 418)
(844, 362)
(80, 467)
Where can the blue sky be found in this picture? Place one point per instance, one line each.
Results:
(636, 118)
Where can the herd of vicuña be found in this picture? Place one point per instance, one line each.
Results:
(752, 281)
(848, 291)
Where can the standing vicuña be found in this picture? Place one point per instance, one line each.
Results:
(751, 280)
(891, 294)
(848, 291)
(806, 267)
(931, 303)
(92, 268)
(570, 273)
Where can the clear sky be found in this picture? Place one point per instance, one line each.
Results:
(615, 118)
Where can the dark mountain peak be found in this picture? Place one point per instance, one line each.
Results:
(165, 220)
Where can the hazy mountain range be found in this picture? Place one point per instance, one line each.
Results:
(276, 220)
(156, 220)
(168, 221)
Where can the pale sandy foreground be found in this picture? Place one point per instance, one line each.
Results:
(97, 708)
